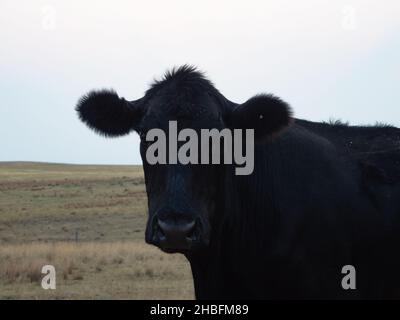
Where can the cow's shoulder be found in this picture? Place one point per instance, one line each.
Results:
(375, 148)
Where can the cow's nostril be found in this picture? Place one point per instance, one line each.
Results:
(176, 228)
(176, 235)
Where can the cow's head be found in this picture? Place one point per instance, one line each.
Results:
(182, 198)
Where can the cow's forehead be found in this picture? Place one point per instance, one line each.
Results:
(183, 95)
(184, 106)
(196, 113)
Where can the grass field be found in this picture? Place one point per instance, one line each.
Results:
(88, 221)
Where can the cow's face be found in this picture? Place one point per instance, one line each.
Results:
(182, 198)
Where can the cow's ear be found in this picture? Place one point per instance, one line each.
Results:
(108, 114)
(266, 114)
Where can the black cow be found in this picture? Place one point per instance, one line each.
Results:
(322, 195)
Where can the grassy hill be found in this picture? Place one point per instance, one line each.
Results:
(88, 221)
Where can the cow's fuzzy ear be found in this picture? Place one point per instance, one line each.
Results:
(266, 114)
(108, 114)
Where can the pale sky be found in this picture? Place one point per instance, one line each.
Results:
(327, 59)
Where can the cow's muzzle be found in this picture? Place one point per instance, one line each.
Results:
(173, 235)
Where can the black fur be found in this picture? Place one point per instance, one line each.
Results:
(185, 75)
(265, 113)
(110, 115)
(106, 113)
(322, 195)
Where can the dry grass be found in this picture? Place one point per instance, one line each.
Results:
(106, 270)
(43, 207)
